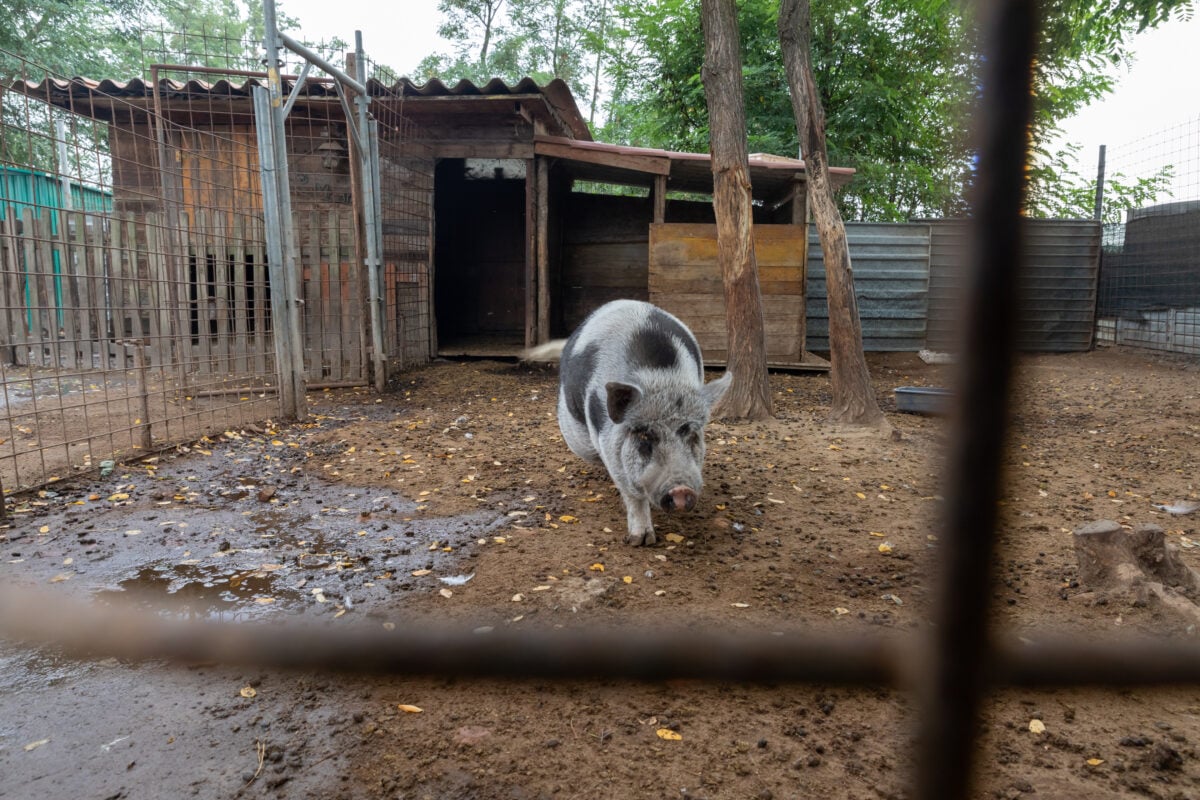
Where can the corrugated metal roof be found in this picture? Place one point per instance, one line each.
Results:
(60, 91)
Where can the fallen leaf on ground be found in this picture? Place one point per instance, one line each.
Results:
(1037, 726)
(668, 734)
(1095, 762)
(446, 593)
(36, 745)
(248, 691)
(674, 538)
(410, 709)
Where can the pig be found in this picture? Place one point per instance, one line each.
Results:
(632, 396)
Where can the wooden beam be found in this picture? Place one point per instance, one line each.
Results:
(655, 165)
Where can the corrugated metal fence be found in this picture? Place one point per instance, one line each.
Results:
(891, 281)
(909, 277)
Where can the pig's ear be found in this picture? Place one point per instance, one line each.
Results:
(713, 391)
(620, 397)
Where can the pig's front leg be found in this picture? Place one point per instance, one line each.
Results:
(641, 528)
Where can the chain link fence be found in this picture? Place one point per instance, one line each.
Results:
(1149, 291)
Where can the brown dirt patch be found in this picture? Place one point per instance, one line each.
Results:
(787, 536)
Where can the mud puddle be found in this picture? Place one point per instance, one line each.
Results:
(243, 529)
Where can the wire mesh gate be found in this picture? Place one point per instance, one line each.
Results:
(143, 268)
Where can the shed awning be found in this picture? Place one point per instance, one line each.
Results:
(772, 177)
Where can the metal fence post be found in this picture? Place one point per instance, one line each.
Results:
(368, 132)
(273, 230)
(286, 293)
(1099, 213)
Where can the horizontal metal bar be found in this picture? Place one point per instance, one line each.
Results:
(38, 617)
(301, 50)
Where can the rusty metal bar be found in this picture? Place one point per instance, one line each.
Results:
(41, 617)
(35, 617)
(959, 651)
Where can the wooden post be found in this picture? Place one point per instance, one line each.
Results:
(660, 199)
(543, 250)
(800, 219)
(139, 364)
(531, 237)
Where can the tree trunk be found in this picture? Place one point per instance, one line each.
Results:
(750, 395)
(853, 397)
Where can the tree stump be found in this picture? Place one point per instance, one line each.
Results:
(1141, 561)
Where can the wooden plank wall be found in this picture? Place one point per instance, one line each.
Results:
(604, 241)
(685, 279)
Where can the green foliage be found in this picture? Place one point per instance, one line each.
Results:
(1061, 193)
(540, 39)
(895, 78)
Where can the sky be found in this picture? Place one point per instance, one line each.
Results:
(1162, 89)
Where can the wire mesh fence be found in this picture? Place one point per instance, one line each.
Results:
(1149, 291)
(136, 292)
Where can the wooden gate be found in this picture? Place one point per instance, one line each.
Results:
(685, 279)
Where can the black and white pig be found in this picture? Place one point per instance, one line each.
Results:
(632, 396)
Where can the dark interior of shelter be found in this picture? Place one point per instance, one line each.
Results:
(479, 291)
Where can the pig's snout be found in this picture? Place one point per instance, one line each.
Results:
(681, 498)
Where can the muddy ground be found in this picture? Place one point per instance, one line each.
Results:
(357, 514)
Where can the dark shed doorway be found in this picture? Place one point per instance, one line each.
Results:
(479, 270)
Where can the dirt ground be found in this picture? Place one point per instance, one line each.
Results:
(358, 513)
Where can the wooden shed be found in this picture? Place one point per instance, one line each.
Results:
(504, 224)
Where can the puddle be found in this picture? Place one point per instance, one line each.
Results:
(197, 591)
(24, 670)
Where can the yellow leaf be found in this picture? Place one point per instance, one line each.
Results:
(119, 496)
(885, 548)
(720, 506)
(597, 567)
(1095, 762)
(420, 573)
(674, 538)
(36, 745)
(44, 529)
(568, 518)
(860, 495)
(668, 734)
(248, 691)
(628, 579)
(834, 447)
(1037, 726)
(839, 611)
(877, 533)
(410, 709)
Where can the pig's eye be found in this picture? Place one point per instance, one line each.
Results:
(687, 434)
(646, 439)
